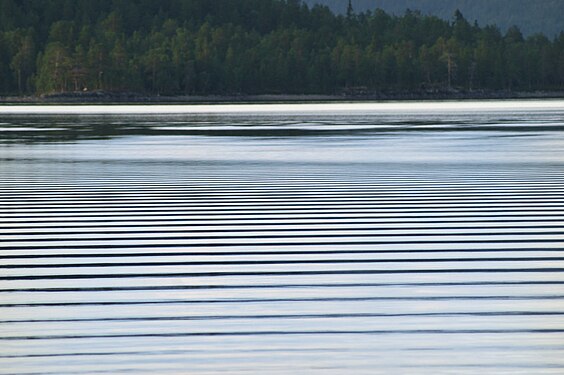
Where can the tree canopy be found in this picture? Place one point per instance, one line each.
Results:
(258, 46)
(532, 16)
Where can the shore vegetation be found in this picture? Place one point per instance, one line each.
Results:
(249, 47)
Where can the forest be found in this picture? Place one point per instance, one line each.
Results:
(532, 16)
(225, 47)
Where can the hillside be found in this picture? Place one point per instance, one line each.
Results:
(544, 16)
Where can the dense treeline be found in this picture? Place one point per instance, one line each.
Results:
(258, 46)
(532, 16)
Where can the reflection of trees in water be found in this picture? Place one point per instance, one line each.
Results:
(70, 128)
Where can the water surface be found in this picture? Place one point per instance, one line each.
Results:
(314, 238)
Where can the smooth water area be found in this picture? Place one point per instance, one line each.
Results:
(409, 237)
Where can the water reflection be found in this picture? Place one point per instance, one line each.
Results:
(360, 137)
(61, 123)
(399, 237)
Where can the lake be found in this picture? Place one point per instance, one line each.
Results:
(331, 238)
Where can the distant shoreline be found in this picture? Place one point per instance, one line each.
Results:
(97, 97)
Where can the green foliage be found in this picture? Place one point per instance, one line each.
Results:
(532, 16)
(259, 46)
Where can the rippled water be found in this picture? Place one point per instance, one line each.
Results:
(318, 238)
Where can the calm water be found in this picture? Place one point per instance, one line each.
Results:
(318, 238)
